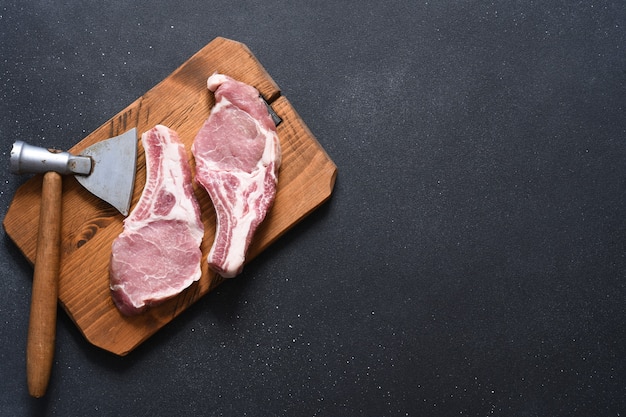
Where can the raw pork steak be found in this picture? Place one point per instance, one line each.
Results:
(237, 156)
(158, 254)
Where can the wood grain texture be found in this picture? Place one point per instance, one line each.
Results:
(181, 102)
(43, 306)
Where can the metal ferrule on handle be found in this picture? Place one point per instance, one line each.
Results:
(27, 158)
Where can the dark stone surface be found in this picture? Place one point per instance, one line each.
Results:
(470, 262)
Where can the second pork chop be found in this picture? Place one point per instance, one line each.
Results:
(237, 155)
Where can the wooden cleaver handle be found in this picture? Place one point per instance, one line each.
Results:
(43, 308)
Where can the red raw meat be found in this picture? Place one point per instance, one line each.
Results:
(237, 155)
(158, 254)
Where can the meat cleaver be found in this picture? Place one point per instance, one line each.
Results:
(107, 170)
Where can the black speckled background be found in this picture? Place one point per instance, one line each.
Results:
(471, 261)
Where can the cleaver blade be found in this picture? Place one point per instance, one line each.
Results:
(112, 176)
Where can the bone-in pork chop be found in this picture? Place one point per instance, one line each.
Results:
(237, 155)
(158, 254)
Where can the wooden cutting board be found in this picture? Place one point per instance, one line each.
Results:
(182, 102)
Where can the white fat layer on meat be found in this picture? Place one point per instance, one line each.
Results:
(215, 81)
(222, 103)
(172, 182)
(236, 253)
